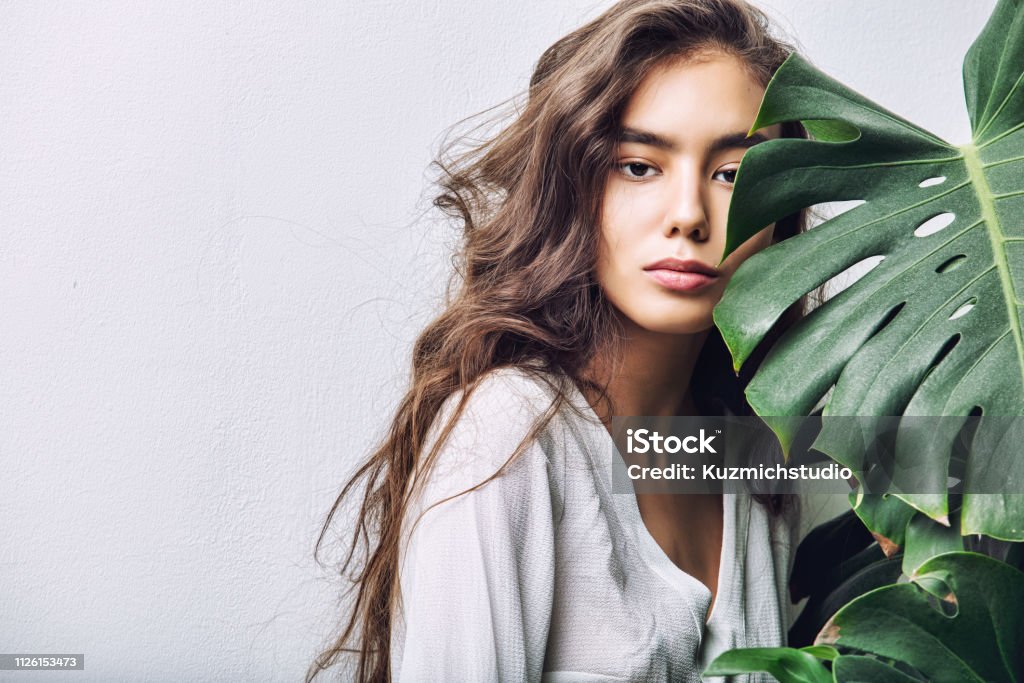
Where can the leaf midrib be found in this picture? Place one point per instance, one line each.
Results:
(986, 201)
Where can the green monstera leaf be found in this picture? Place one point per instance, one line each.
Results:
(786, 664)
(935, 327)
(959, 620)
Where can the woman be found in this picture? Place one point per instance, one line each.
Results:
(593, 224)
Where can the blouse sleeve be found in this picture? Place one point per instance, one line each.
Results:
(477, 578)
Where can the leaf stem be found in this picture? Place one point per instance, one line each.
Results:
(986, 202)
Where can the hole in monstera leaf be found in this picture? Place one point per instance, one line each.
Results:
(851, 275)
(964, 309)
(889, 317)
(976, 411)
(951, 264)
(934, 224)
(937, 180)
(946, 349)
(824, 211)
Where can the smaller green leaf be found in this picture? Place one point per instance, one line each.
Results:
(787, 664)
(825, 652)
(926, 538)
(960, 620)
(886, 516)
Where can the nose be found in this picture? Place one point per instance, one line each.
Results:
(686, 213)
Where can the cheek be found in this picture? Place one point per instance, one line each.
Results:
(718, 212)
(609, 269)
(630, 210)
(612, 271)
(617, 223)
(612, 218)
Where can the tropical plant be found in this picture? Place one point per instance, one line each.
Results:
(935, 329)
(960, 619)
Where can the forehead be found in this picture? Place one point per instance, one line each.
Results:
(696, 99)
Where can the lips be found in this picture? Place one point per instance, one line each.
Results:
(680, 266)
(682, 276)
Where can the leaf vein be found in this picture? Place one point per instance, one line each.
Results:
(993, 164)
(976, 363)
(938, 309)
(986, 203)
(1006, 99)
(1002, 135)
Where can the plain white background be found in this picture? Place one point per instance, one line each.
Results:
(215, 254)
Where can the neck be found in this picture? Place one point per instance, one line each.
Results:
(652, 376)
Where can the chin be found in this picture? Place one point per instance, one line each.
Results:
(667, 317)
(678, 325)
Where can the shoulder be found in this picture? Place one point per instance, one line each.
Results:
(501, 417)
(510, 399)
(510, 386)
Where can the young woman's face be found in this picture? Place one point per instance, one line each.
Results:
(667, 198)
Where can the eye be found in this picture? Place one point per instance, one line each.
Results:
(636, 170)
(728, 173)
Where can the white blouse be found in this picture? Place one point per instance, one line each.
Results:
(543, 574)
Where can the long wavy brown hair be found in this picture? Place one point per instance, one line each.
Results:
(524, 292)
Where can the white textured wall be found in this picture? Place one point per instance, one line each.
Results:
(214, 257)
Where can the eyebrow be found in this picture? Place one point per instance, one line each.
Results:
(722, 142)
